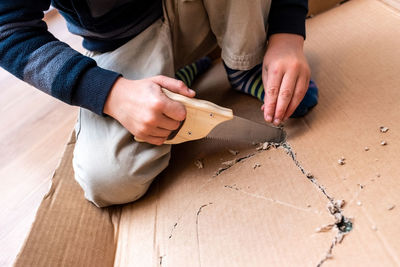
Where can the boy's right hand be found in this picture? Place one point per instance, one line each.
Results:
(144, 110)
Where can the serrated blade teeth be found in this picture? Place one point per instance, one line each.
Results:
(243, 130)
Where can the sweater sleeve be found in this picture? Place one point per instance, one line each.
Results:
(288, 16)
(34, 55)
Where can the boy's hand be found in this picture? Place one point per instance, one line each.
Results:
(144, 110)
(286, 75)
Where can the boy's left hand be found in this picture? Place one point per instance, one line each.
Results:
(286, 76)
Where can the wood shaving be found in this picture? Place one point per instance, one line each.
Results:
(229, 162)
(391, 207)
(366, 148)
(309, 175)
(324, 228)
(233, 152)
(342, 161)
(264, 146)
(340, 203)
(199, 164)
(383, 143)
(383, 129)
(256, 165)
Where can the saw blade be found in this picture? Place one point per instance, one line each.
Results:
(243, 130)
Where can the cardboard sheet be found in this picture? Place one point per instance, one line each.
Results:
(358, 73)
(316, 7)
(68, 230)
(263, 210)
(242, 217)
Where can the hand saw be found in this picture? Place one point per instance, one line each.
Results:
(206, 119)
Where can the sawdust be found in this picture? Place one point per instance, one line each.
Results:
(268, 145)
(257, 165)
(309, 175)
(366, 148)
(324, 228)
(229, 163)
(199, 164)
(342, 161)
(390, 207)
(374, 227)
(359, 203)
(383, 143)
(233, 152)
(383, 129)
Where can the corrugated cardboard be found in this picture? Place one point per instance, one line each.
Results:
(318, 6)
(263, 210)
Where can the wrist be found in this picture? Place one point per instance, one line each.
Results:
(112, 98)
(291, 39)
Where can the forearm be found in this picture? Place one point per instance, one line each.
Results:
(32, 54)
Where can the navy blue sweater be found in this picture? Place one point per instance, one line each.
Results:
(31, 53)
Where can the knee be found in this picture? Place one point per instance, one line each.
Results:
(106, 188)
(111, 182)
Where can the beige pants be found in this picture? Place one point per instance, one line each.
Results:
(109, 165)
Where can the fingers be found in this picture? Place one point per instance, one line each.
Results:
(292, 85)
(157, 135)
(168, 123)
(173, 85)
(298, 95)
(173, 109)
(272, 81)
(151, 139)
(285, 95)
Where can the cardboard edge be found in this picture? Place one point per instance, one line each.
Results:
(71, 141)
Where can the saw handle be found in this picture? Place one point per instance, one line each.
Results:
(201, 117)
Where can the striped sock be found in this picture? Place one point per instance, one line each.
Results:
(188, 73)
(247, 81)
(250, 82)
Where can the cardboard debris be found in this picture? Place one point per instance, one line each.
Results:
(199, 164)
(266, 217)
(383, 129)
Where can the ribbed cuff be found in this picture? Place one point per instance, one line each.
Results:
(288, 19)
(93, 88)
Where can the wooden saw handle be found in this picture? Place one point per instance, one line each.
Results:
(201, 117)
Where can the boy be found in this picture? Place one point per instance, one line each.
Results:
(134, 47)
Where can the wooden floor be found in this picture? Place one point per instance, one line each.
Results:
(33, 132)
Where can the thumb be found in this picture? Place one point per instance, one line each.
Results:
(173, 85)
